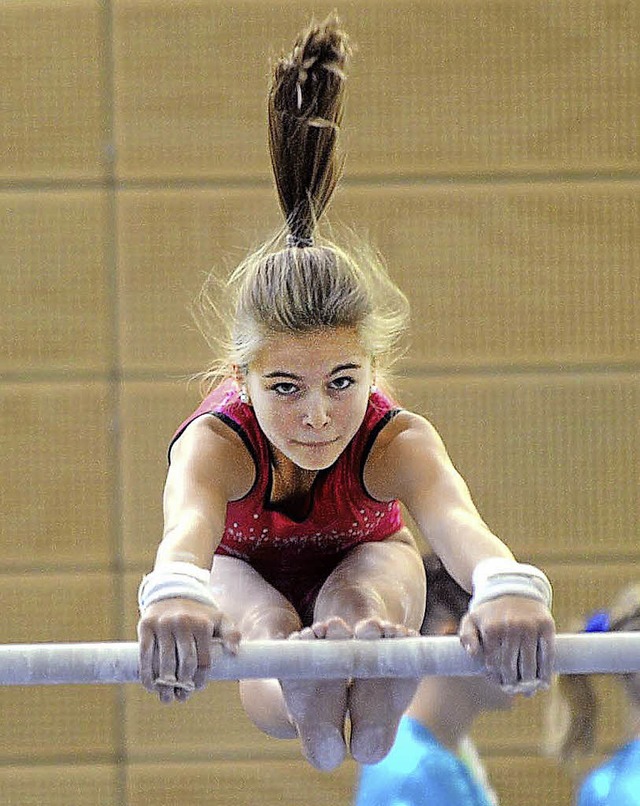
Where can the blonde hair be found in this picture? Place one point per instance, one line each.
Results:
(299, 280)
(573, 711)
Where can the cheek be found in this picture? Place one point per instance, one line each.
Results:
(273, 419)
(358, 406)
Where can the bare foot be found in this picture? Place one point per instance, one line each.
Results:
(318, 708)
(376, 705)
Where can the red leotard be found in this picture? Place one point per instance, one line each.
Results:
(296, 556)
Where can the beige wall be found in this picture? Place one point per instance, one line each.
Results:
(493, 157)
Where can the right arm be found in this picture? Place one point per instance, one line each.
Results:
(209, 467)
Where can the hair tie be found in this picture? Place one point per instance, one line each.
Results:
(299, 241)
(598, 622)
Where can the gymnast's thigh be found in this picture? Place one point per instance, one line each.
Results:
(246, 597)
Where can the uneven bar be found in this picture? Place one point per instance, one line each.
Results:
(117, 662)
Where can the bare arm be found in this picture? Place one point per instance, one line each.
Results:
(513, 633)
(411, 464)
(209, 467)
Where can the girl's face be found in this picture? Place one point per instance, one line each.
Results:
(309, 392)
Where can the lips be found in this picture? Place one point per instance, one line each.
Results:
(324, 444)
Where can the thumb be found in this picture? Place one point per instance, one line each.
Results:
(228, 634)
(469, 635)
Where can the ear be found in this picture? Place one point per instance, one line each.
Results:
(237, 374)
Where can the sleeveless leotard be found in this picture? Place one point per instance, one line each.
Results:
(297, 555)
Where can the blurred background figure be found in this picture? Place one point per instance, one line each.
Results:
(433, 760)
(574, 712)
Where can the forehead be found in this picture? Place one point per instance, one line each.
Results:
(317, 351)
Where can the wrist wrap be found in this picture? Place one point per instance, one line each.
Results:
(175, 580)
(499, 576)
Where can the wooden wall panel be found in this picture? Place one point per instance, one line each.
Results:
(43, 606)
(55, 283)
(551, 460)
(212, 725)
(150, 414)
(55, 724)
(58, 481)
(436, 87)
(529, 781)
(444, 87)
(205, 116)
(502, 275)
(168, 243)
(60, 785)
(54, 90)
(521, 274)
(238, 784)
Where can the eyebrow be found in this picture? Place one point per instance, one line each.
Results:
(282, 374)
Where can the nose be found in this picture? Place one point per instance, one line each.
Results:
(317, 414)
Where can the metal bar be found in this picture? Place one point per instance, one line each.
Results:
(117, 662)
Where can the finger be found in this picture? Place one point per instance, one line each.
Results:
(546, 658)
(167, 657)
(491, 643)
(469, 636)
(187, 661)
(528, 667)
(146, 644)
(229, 634)
(509, 654)
(182, 694)
(203, 641)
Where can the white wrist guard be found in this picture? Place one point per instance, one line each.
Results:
(498, 576)
(183, 580)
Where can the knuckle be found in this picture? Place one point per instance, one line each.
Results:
(492, 632)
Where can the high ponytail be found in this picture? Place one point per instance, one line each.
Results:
(305, 112)
(301, 281)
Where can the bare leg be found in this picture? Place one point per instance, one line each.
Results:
(318, 708)
(375, 706)
(259, 611)
(379, 588)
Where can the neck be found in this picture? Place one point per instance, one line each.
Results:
(289, 480)
(447, 707)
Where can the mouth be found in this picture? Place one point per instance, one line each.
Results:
(323, 444)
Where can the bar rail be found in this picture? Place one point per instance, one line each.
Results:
(117, 662)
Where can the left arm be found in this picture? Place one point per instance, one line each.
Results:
(411, 464)
(513, 633)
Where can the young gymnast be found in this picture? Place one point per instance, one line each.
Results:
(282, 500)
(616, 782)
(433, 760)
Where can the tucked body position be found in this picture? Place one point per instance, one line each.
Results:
(282, 503)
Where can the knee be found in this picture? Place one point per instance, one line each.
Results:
(351, 601)
(277, 621)
(263, 704)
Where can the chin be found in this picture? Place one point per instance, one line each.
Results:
(321, 461)
(309, 464)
